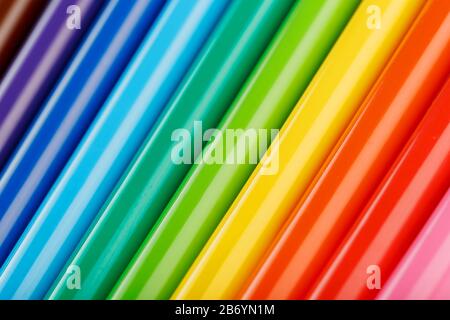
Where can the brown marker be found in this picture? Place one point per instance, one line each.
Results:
(16, 20)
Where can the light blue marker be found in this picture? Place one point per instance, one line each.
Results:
(68, 112)
(108, 147)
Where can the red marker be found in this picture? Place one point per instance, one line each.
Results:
(374, 139)
(397, 212)
(424, 272)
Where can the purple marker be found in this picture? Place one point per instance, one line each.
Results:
(38, 65)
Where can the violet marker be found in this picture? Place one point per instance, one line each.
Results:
(38, 65)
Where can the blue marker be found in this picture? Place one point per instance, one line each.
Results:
(108, 147)
(68, 112)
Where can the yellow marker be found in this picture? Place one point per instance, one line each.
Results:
(313, 128)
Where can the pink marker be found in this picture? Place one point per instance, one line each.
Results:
(424, 272)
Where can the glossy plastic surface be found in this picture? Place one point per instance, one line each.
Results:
(396, 213)
(369, 147)
(210, 187)
(37, 67)
(213, 82)
(68, 112)
(108, 147)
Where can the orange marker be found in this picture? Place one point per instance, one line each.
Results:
(370, 145)
(397, 212)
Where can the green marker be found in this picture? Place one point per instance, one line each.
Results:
(208, 190)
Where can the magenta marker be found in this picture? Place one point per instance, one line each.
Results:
(424, 272)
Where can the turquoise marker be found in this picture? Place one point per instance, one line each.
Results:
(108, 147)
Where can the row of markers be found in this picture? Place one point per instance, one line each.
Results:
(93, 206)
